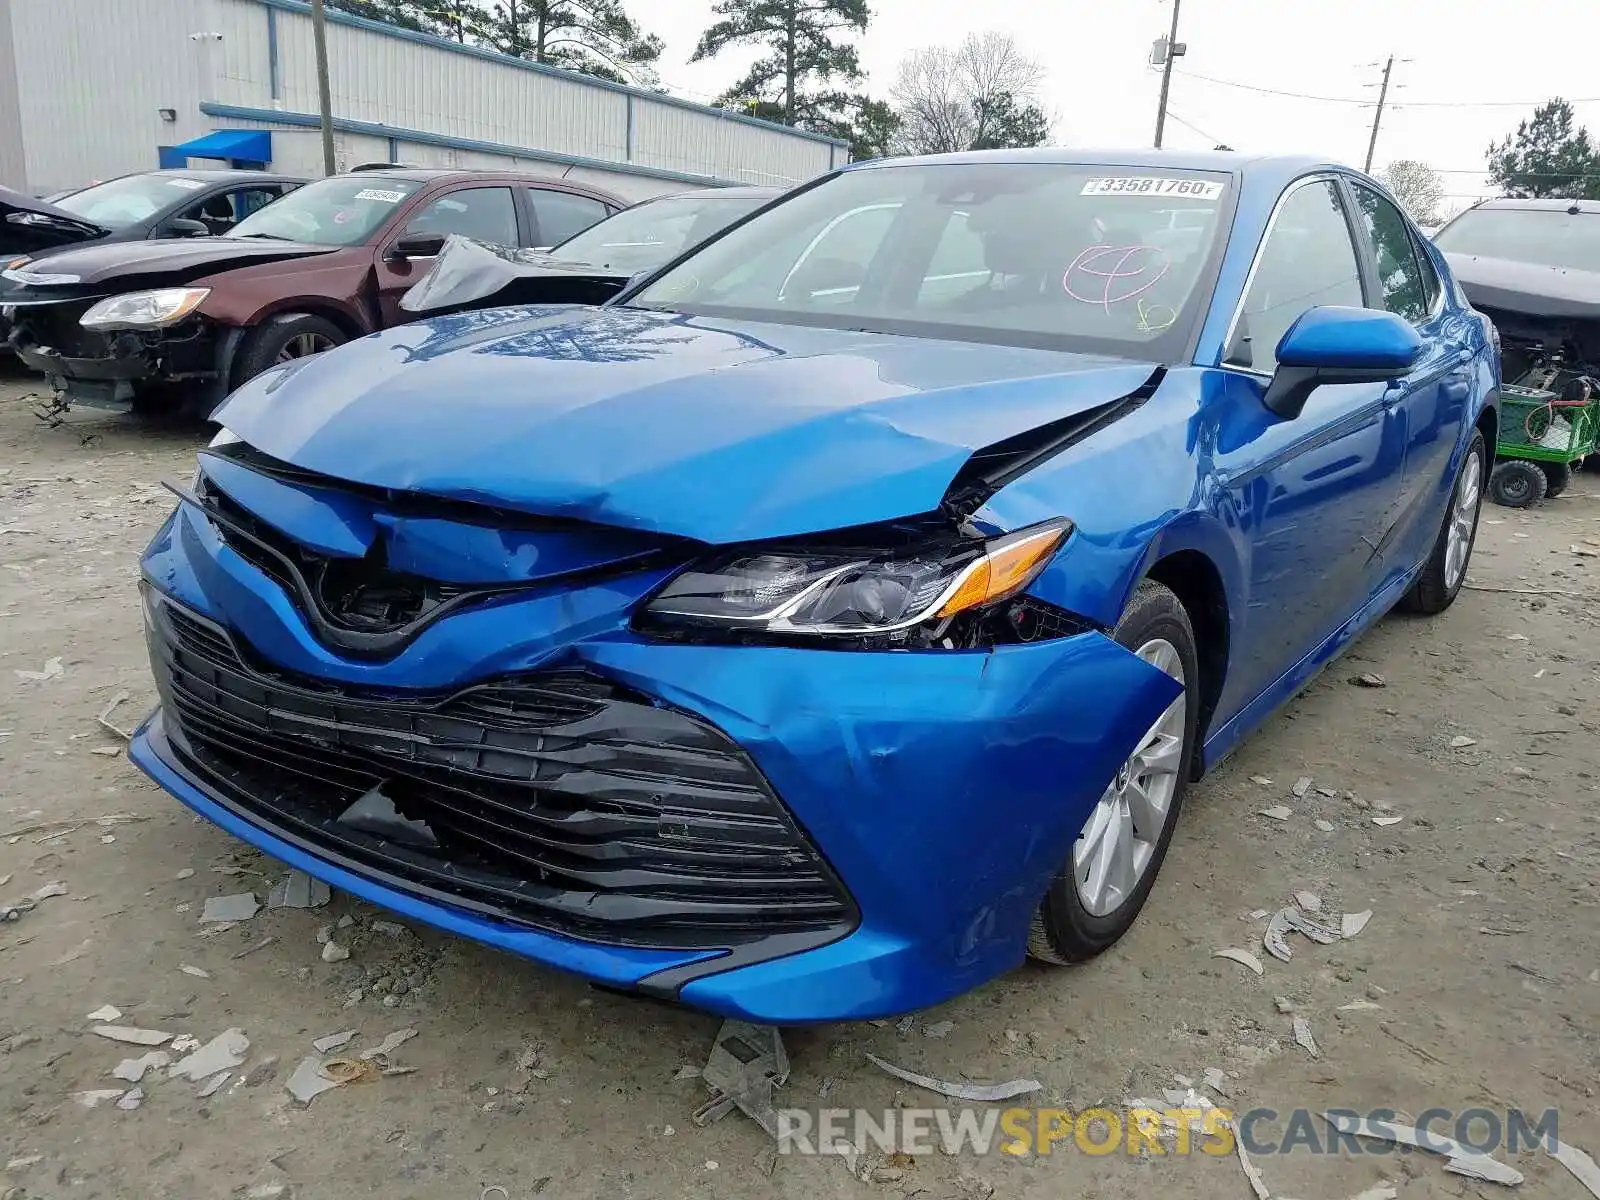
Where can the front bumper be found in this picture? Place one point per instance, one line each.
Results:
(942, 790)
(109, 368)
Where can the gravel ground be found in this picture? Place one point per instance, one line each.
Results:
(1480, 958)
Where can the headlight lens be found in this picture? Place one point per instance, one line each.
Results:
(144, 310)
(843, 593)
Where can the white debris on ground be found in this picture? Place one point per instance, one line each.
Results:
(239, 907)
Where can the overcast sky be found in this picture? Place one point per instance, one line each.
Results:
(1101, 93)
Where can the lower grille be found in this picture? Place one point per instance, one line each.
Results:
(555, 800)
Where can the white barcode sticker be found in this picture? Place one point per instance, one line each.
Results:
(382, 194)
(1144, 185)
(188, 185)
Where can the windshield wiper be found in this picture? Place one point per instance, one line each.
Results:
(271, 237)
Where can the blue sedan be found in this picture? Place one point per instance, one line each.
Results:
(837, 617)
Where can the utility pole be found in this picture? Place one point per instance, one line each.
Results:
(1173, 48)
(1383, 95)
(319, 34)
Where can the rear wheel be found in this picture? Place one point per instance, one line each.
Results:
(283, 339)
(1557, 477)
(1440, 582)
(1517, 483)
(1099, 892)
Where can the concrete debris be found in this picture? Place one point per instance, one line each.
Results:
(299, 890)
(98, 1096)
(389, 1044)
(134, 1037)
(746, 1067)
(50, 890)
(308, 1082)
(52, 670)
(106, 1012)
(1301, 787)
(939, 1029)
(131, 1099)
(1259, 914)
(1283, 1004)
(225, 1052)
(1258, 1183)
(1459, 1160)
(1322, 934)
(1303, 1038)
(1359, 1006)
(1325, 826)
(277, 1190)
(324, 935)
(1216, 1079)
(1328, 792)
(1275, 939)
(1387, 821)
(214, 1085)
(197, 972)
(332, 952)
(1278, 812)
(107, 752)
(1353, 923)
(388, 928)
(23, 1163)
(239, 907)
(1461, 742)
(345, 921)
(133, 1069)
(1261, 780)
(1243, 957)
(333, 1041)
(1581, 1166)
(960, 1091)
(1309, 901)
(184, 1043)
(1382, 1191)
(186, 873)
(1369, 679)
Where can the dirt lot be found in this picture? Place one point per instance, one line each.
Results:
(1481, 958)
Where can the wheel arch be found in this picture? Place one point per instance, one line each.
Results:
(287, 309)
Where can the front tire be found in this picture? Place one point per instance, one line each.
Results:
(1099, 892)
(282, 339)
(1440, 582)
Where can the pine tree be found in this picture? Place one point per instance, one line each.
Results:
(596, 37)
(803, 50)
(1547, 156)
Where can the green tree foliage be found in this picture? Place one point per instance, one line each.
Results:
(596, 37)
(803, 51)
(1549, 155)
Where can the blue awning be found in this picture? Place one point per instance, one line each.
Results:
(236, 145)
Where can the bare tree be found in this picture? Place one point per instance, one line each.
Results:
(977, 95)
(1418, 188)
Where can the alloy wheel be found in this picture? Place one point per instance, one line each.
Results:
(1119, 840)
(303, 344)
(1463, 520)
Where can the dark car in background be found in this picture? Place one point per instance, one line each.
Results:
(131, 208)
(178, 324)
(589, 268)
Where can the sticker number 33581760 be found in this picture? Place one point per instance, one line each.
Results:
(1194, 189)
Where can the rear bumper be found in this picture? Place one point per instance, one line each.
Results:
(943, 790)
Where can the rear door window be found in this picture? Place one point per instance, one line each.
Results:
(561, 215)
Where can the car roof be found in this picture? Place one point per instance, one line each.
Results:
(1265, 166)
(745, 192)
(1542, 204)
(222, 175)
(433, 174)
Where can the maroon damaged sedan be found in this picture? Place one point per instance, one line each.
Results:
(159, 325)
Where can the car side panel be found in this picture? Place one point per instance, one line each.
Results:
(333, 282)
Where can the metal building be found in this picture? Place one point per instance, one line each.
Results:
(94, 88)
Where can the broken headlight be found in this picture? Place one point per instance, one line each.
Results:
(843, 593)
(144, 310)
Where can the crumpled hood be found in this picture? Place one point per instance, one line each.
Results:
(28, 225)
(697, 427)
(1531, 289)
(473, 274)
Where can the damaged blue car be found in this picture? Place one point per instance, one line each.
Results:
(835, 618)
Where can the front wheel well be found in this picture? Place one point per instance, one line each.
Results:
(1197, 583)
(1489, 426)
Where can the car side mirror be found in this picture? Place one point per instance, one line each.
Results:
(416, 245)
(187, 227)
(1332, 345)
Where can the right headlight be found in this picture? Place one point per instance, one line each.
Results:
(844, 593)
(144, 310)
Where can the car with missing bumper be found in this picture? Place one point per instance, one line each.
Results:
(838, 616)
(178, 324)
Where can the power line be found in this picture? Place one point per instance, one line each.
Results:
(1266, 91)
(1193, 128)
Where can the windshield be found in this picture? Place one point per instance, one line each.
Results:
(341, 211)
(1530, 235)
(649, 234)
(1090, 258)
(118, 203)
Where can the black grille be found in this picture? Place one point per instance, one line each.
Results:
(557, 800)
